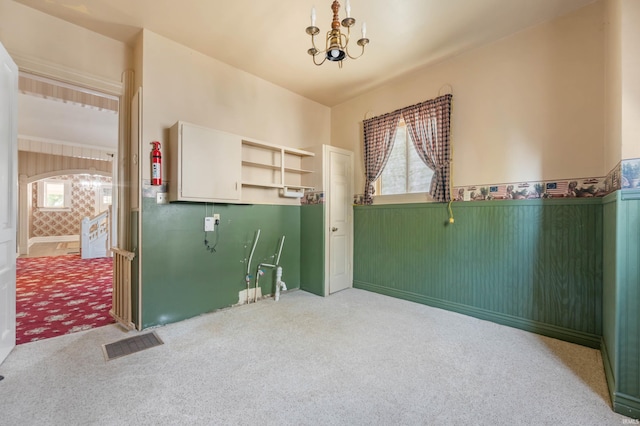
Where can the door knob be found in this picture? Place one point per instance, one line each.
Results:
(334, 229)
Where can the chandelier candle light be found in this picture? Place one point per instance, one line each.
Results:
(337, 43)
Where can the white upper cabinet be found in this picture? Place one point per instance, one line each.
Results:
(205, 165)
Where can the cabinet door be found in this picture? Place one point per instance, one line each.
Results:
(210, 164)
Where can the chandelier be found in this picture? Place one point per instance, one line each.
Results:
(336, 43)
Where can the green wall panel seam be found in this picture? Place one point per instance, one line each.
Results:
(312, 248)
(611, 197)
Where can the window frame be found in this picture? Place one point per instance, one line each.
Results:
(100, 194)
(67, 195)
(407, 197)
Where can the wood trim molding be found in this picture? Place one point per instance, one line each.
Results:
(54, 239)
(630, 194)
(41, 67)
(36, 178)
(67, 149)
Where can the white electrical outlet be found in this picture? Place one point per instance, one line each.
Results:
(161, 198)
(208, 224)
(216, 219)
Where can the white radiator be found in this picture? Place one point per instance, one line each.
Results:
(121, 308)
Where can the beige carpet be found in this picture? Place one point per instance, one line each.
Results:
(354, 358)
(68, 245)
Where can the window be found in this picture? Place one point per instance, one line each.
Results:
(54, 194)
(405, 172)
(432, 122)
(104, 197)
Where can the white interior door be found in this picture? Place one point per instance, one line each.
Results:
(8, 201)
(340, 198)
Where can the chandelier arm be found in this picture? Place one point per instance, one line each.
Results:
(344, 41)
(324, 58)
(313, 42)
(346, 45)
(347, 37)
(320, 52)
(314, 51)
(354, 57)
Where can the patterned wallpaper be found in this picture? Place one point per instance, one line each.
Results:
(630, 171)
(83, 202)
(572, 188)
(625, 175)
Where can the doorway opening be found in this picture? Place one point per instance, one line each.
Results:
(67, 174)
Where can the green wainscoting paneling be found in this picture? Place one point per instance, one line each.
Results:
(532, 264)
(135, 269)
(629, 299)
(182, 279)
(609, 287)
(312, 248)
(621, 337)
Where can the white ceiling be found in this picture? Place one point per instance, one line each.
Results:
(68, 123)
(268, 39)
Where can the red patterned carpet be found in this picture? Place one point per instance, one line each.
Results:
(60, 295)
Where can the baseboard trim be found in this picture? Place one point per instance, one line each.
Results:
(580, 338)
(626, 405)
(54, 239)
(608, 370)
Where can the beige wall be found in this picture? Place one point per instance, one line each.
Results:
(630, 38)
(182, 84)
(527, 107)
(137, 60)
(613, 83)
(28, 33)
(622, 85)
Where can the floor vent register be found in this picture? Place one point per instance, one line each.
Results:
(131, 345)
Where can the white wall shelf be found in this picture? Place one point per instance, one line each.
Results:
(275, 185)
(266, 165)
(262, 185)
(271, 146)
(261, 165)
(301, 171)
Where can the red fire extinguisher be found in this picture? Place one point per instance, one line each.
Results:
(156, 164)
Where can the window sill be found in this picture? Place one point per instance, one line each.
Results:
(417, 197)
(54, 209)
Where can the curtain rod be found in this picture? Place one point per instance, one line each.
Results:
(407, 107)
